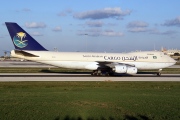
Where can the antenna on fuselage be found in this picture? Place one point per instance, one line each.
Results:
(55, 49)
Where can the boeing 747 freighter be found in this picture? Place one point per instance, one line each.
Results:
(28, 48)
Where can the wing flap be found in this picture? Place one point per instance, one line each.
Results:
(112, 64)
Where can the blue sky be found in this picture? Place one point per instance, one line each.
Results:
(94, 25)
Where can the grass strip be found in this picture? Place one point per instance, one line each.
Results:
(90, 100)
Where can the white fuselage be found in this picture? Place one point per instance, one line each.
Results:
(83, 60)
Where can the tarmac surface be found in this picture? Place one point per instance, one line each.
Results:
(15, 77)
(10, 77)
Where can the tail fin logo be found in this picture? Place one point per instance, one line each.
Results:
(19, 40)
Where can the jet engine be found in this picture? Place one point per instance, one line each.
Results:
(132, 70)
(120, 69)
(125, 69)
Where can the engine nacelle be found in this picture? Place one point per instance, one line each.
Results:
(132, 70)
(125, 69)
(120, 69)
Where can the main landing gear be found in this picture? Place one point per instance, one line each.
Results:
(102, 73)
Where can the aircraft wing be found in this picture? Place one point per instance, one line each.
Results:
(112, 64)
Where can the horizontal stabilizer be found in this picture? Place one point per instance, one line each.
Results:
(24, 53)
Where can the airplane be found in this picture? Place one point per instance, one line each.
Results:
(28, 48)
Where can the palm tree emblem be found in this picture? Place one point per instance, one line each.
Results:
(18, 40)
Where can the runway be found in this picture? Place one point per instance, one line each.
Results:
(17, 77)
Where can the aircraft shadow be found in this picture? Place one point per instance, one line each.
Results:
(125, 117)
(50, 71)
(88, 74)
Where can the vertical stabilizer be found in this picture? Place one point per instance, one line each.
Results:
(21, 39)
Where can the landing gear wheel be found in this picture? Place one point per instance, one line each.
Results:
(99, 74)
(107, 74)
(158, 74)
(94, 73)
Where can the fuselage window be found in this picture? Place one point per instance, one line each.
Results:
(154, 57)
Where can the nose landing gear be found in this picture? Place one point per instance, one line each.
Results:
(159, 72)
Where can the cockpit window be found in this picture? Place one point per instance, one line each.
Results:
(165, 53)
(154, 57)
